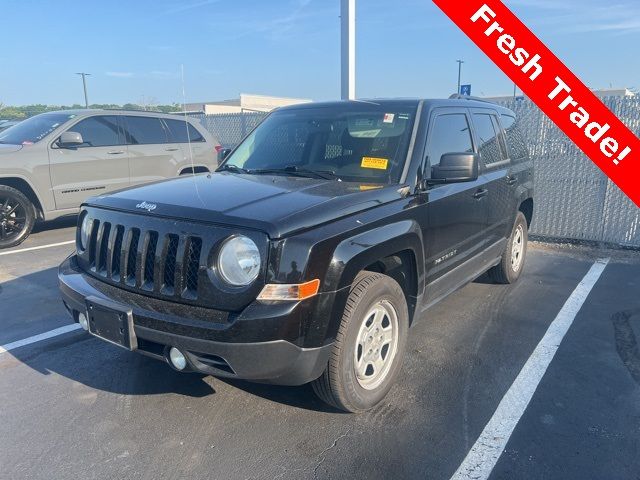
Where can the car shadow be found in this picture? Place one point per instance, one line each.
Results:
(62, 222)
(36, 307)
(484, 279)
(86, 360)
(35, 304)
(302, 397)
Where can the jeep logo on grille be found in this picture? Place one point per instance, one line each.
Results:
(149, 207)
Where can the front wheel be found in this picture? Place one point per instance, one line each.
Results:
(367, 354)
(512, 262)
(17, 217)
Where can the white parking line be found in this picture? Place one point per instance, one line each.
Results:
(485, 453)
(38, 338)
(37, 248)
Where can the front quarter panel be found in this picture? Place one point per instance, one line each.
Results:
(335, 253)
(354, 254)
(31, 165)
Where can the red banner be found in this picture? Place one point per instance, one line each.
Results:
(551, 85)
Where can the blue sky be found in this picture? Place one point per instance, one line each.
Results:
(284, 47)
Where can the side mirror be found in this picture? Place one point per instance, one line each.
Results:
(454, 168)
(70, 139)
(223, 153)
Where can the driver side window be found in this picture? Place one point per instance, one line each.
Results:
(449, 134)
(99, 131)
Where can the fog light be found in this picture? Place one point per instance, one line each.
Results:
(82, 320)
(177, 359)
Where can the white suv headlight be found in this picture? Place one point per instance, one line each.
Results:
(85, 231)
(239, 261)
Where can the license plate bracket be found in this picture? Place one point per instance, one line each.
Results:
(111, 322)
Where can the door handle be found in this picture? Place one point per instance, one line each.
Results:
(115, 152)
(481, 194)
(172, 149)
(512, 180)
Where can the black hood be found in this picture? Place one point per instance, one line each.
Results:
(277, 205)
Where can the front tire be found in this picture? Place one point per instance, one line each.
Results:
(369, 347)
(513, 258)
(17, 217)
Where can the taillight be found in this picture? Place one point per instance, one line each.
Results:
(218, 148)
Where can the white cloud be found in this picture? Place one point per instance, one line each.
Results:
(581, 16)
(542, 4)
(119, 74)
(284, 25)
(188, 6)
(163, 74)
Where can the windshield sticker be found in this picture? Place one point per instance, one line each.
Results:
(373, 162)
(389, 117)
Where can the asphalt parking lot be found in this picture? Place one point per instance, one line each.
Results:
(73, 406)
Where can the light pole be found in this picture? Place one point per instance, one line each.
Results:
(460, 62)
(84, 85)
(348, 44)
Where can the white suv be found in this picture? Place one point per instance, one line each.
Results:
(50, 163)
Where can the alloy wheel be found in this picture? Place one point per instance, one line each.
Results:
(376, 345)
(13, 218)
(517, 248)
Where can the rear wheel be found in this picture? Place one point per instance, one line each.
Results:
(512, 263)
(17, 217)
(369, 347)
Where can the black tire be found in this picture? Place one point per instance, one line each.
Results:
(509, 270)
(340, 385)
(17, 217)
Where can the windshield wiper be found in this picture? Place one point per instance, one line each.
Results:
(231, 168)
(297, 171)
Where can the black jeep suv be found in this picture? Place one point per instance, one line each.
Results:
(311, 250)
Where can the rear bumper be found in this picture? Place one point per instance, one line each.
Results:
(206, 343)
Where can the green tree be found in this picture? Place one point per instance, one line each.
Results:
(26, 111)
(12, 113)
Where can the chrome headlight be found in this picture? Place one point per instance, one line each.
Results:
(85, 231)
(239, 261)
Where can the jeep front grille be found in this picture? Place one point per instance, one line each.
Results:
(145, 260)
(165, 258)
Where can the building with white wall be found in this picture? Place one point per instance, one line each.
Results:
(246, 103)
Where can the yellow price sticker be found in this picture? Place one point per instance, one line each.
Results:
(373, 162)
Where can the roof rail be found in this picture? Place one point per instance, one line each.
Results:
(457, 96)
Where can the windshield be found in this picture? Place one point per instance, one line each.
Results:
(34, 129)
(355, 141)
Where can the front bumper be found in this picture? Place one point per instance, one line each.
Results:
(213, 342)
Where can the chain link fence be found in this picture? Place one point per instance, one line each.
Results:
(230, 128)
(574, 200)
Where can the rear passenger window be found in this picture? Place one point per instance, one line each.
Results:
(449, 134)
(488, 143)
(145, 130)
(183, 132)
(515, 138)
(100, 131)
